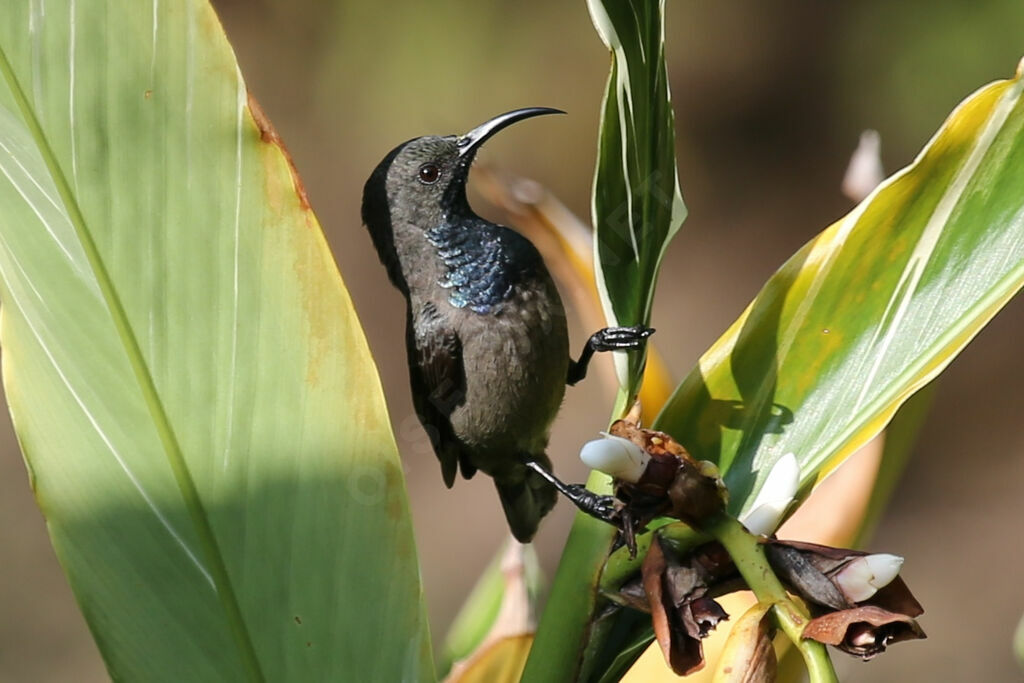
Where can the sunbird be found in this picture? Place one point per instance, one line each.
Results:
(486, 335)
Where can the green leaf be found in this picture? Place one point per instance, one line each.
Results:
(637, 207)
(869, 311)
(202, 422)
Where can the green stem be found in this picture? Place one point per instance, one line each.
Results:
(175, 457)
(564, 627)
(748, 554)
(620, 567)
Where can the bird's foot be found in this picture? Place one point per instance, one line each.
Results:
(608, 339)
(604, 508)
(597, 506)
(620, 338)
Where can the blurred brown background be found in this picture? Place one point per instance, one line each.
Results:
(770, 99)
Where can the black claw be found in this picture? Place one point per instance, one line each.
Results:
(608, 339)
(597, 506)
(620, 338)
(600, 507)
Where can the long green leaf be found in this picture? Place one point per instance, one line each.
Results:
(637, 207)
(201, 419)
(869, 311)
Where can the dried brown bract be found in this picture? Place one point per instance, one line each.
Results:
(863, 631)
(860, 627)
(681, 611)
(672, 485)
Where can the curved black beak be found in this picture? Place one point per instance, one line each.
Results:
(471, 141)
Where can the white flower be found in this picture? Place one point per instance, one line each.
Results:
(865, 171)
(863, 576)
(765, 513)
(616, 457)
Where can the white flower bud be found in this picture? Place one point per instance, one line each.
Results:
(863, 576)
(865, 171)
(616, 457)
(764, 515)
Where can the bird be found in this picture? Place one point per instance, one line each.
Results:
(486, 335)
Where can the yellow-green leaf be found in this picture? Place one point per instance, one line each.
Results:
(198, 409)
(869, 311)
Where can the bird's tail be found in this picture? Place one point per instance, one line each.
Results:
(526, 501)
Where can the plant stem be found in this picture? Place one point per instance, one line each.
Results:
(564, 626)
(620, 567)
(748, 554)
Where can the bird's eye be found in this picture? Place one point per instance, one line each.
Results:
(429, 173)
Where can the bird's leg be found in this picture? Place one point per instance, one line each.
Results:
(597, 506)
(608, 339)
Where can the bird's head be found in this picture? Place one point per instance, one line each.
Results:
(422, 183)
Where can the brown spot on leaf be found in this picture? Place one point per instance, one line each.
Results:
(148, 94)
(298, 620)
(269, 135)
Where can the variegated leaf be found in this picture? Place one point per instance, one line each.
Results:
(869, 311)
(202, 422)
(637, 206)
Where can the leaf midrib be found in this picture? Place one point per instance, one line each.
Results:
(172, 449)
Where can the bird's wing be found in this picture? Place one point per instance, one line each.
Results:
(438, 384)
